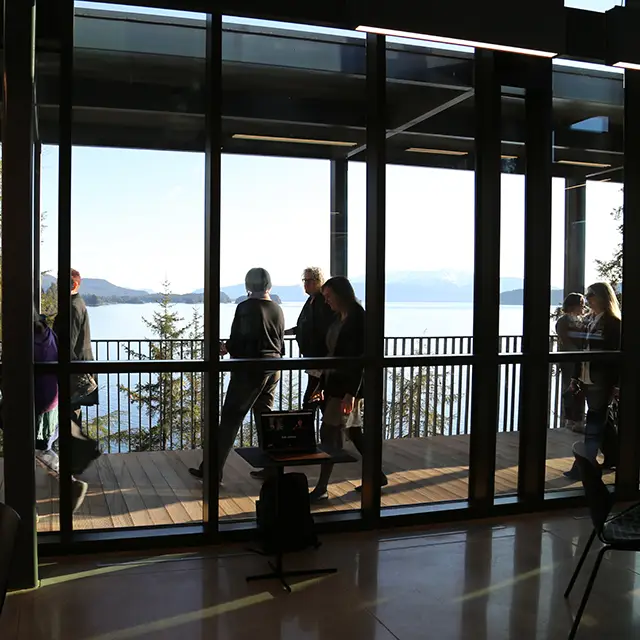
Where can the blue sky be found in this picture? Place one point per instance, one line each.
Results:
(138, 216)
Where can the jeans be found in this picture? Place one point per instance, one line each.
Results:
(599, 433)
(246, 392)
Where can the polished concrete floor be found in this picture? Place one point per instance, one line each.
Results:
(487, 581)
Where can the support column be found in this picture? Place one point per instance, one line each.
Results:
(17, 290)
(339, 217)
(629, 464)
(486, 290)
(212, 273)
(375, 276)
(534, 376)
(575, 202)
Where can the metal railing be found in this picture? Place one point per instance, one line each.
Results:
(139, 412)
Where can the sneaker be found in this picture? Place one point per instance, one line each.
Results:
(78, 493)
(49, 461)
(196, 473)
(318, 495)
(261, 474)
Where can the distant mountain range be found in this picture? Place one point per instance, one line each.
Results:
(516, 297)
(414, 286)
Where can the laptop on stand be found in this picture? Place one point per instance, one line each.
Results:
(290, 435)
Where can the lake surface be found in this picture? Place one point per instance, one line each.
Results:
(126, 321)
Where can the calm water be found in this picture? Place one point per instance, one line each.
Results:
(126, 321)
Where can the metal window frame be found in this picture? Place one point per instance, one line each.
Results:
(485, 360)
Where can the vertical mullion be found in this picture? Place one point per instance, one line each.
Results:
(17, 299)
(629, 463)
(37, 224)
(65, 115)
(339, 217)
(213, 82)
(534, 375)
(486, 296)
(375, 276)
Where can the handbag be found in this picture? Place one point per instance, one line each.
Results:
(83, 390)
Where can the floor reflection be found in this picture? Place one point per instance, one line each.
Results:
(485, 582)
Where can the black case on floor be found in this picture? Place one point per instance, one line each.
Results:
(284, 515)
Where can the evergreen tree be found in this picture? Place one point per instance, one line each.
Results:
(611, 270)
(173, 401)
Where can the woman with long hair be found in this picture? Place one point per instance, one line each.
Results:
(342, 388)
(599, 379)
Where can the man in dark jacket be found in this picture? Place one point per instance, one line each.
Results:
(80, 339)
(311, 329)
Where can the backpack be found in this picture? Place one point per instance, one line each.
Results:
(284, 515)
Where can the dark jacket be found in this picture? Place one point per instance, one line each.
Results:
(348, 379)
(257, 330)
(313, 323)
(604, 337)
(80, 329)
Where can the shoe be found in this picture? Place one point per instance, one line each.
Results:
(573, 474)
(608, 466)
(196, 473)
(384, 481)
(262, 474)
(49, 461)
(318, 495)
(78, 493)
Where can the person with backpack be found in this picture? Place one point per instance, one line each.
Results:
(257, 331)
(45, 349)
(342, 388)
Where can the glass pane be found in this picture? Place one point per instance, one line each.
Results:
(429, 271)
(138, 244)
(587, 250)
(280, 164)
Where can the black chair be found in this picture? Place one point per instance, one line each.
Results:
(620, 532)
(9, 522)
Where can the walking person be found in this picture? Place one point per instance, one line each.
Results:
(342, 388)
(311, 329)
(257, 332)
(570, 330)
(599, 380)
(81, 349)
(45, 349)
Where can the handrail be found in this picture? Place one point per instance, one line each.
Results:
(143, 411)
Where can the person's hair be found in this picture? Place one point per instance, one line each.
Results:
(343, 290)
(572, 301)
(257, 280)
(316, 273)
(75, 278)
(607, 296)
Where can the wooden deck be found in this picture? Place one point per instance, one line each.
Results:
(144, 489)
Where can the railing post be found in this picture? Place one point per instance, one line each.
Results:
(339, 217)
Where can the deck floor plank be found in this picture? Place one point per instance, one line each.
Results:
(156, 488)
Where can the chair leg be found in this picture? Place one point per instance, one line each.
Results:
(587, 593)
(583, 557)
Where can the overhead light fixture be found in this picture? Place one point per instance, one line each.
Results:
(606, 180)
(633, 66)
(332, 143)
(579, 163)
(441, 152)
(455, 41)
(509, 157)
(576, 186)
